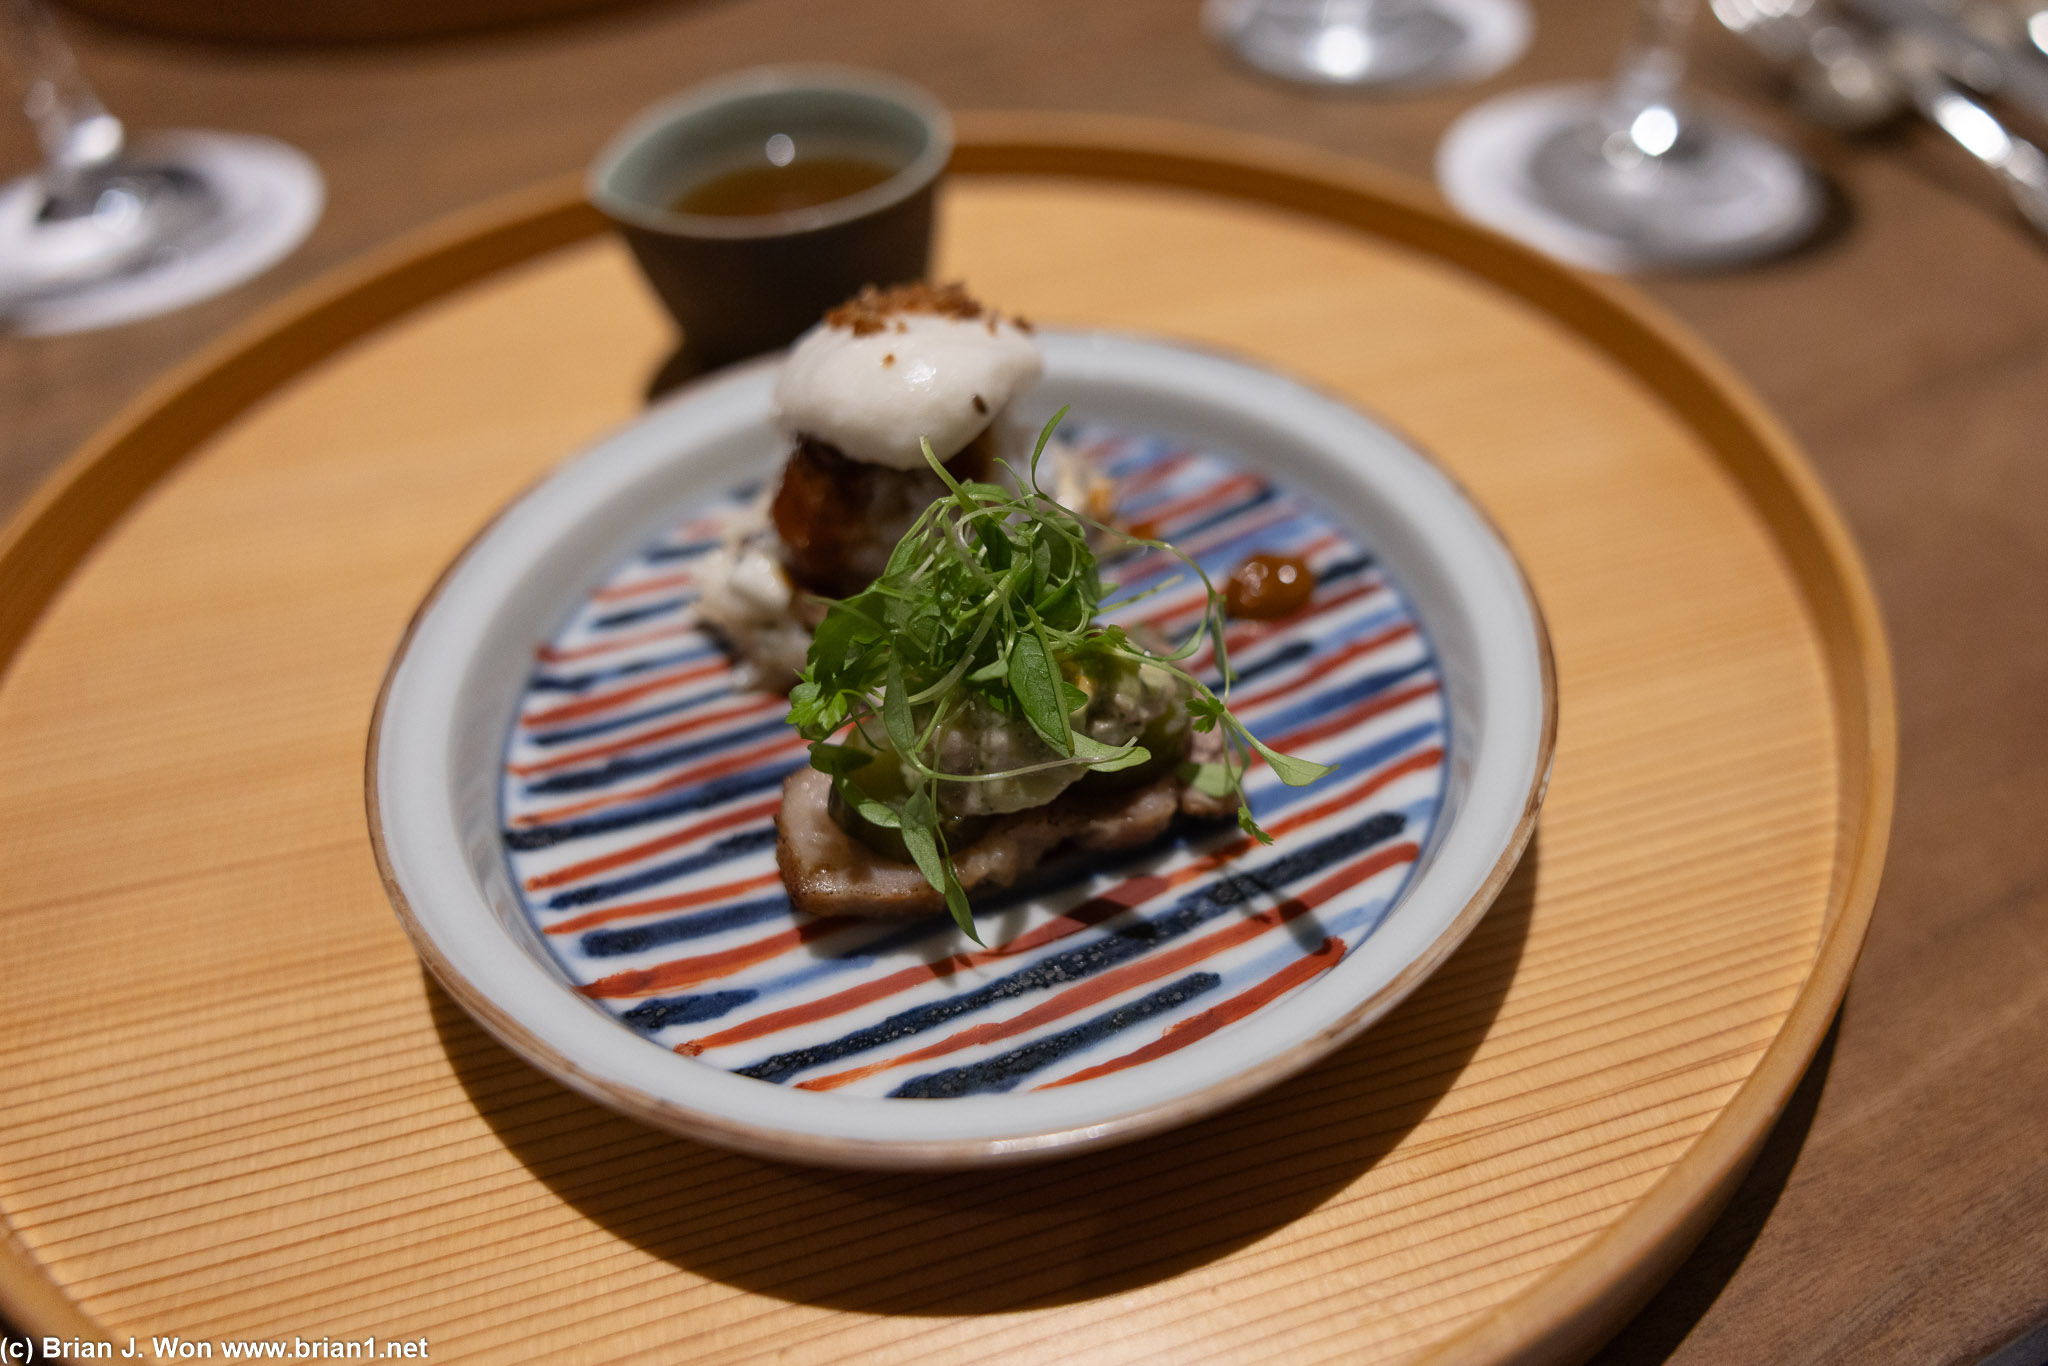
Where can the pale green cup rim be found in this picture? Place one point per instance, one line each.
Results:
(793, 78)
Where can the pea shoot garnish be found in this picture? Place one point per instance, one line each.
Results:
(985, 617)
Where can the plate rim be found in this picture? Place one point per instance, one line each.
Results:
(1027, 1144)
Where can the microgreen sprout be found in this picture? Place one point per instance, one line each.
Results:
(992, 596)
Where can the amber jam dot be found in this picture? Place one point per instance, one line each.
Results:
(1269, 586)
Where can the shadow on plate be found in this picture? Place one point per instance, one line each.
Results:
(997, 1241)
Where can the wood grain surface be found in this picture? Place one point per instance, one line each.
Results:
(1900, 1214)
(303, 1131)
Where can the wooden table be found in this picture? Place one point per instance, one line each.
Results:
(1897, 1214)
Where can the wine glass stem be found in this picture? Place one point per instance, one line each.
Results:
(78, 135)
(1642, 100)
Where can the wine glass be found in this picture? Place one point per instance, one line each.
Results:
(1392, 44)
(107, 232)
(1630, 175)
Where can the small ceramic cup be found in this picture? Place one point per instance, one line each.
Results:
(740, 285)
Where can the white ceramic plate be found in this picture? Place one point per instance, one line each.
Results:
(572, 806)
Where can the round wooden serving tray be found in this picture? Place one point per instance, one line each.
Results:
(236, 1107)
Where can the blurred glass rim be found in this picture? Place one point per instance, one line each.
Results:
(795, 79)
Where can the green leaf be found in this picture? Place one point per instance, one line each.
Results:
(1045, 436)
(833, 639)
(995, 547)
(1035, 681)
(872, 809)
(923, 843)
(805, 700)
(896, 718)
(961, 495)
(1213, 780)
(1108, 758)
(1250, 826)
(907, 553)
(838, 760)
(1290, 770)
(956, 902)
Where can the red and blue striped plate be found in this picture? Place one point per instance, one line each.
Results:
(599, 885)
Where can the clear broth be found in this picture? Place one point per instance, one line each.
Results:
(803, 184)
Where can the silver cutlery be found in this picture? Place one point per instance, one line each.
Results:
(1853, 78)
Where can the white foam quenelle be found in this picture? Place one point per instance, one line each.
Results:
(873, 392)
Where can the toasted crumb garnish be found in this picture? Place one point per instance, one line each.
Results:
(872, 310)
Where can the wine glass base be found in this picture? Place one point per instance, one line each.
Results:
(1528, 165)
(259, 199)
(1391, 45)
